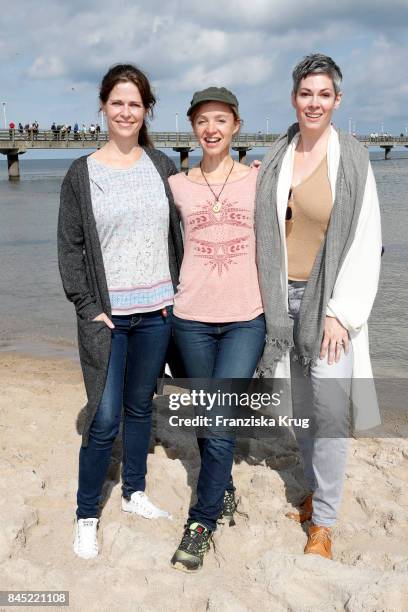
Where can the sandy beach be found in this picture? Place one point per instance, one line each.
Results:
(256, 565)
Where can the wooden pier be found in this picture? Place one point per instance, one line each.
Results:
(13, 143)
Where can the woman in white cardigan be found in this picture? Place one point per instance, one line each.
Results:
(318, 250)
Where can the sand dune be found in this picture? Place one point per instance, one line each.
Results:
(256, 565)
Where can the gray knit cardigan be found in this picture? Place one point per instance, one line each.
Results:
(83, 274)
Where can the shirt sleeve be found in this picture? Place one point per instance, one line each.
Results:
(357, 282)
(71, 255)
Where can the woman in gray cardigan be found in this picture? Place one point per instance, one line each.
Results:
(120, 250)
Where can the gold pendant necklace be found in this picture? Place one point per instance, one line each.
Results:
(217, 206)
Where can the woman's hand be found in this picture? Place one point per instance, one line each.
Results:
(103, 317)
(335, 337)
(256, 163)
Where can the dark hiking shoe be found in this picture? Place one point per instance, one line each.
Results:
(229, 508)
(193, 546)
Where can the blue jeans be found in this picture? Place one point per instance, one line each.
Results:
(217, 350)
(138, 350)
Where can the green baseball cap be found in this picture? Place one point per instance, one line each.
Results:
(213, 94)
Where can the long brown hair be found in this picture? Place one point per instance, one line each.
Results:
(124, 73)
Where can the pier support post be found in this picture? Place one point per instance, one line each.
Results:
(242, 153)
(387, 151)
(13, 166)
(184, 151)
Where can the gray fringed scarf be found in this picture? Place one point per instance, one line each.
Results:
(350, 185)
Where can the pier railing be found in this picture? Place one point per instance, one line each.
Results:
(15, 142)
(13, 138)
(49, 138)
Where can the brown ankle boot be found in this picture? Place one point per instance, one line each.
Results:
(319, 541)
(305, 510)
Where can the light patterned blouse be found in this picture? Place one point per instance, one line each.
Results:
(131, 211)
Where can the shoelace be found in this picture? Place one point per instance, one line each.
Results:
(145, 505)
(230, 504)
(321, 536)
(194, 542)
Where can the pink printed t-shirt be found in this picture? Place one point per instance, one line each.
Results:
(219, 277)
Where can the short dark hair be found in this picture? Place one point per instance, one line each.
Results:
(124, 73)
(317, 63)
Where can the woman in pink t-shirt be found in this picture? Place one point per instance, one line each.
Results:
(218, 321)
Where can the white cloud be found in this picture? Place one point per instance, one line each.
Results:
(47, 68)
(248, 45)
(377, 86)
(278, 15)
(249, 71)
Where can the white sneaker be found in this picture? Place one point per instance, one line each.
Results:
(86, 542)
(140, 504)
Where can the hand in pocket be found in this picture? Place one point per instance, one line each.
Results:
(103, 317)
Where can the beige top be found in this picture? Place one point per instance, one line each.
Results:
(311, 203)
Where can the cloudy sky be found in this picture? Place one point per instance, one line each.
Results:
(54, 53)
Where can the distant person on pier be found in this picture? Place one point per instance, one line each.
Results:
(20, 128)
(318, 249)
(120, 249)
(218, 322)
